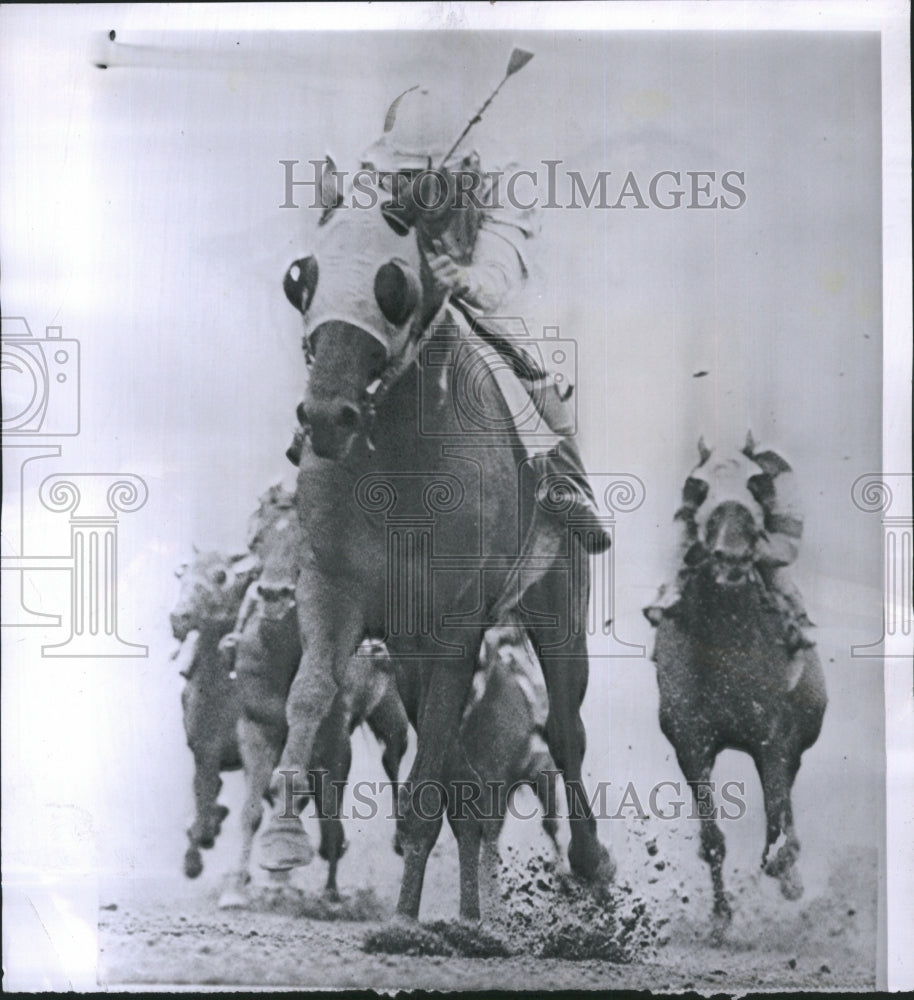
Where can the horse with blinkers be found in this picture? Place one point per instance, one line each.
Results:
(726, 678)
(413, 530)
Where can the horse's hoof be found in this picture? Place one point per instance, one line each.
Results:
(235, 893)
(593, 864)
(606, 870)
(720, 920)
(285, 845)
(791, 883)
(332, 896)
(193, 863)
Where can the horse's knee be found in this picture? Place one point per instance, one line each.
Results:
(253, 814)
(420, 815)
(713, 846)
(395, 746)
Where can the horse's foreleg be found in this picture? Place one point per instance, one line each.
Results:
(390, 726)
(284, 843)
(332, 759)
(777, 769)
(696, 766)
(467, 832)
(424, 798)
(489, 864)
(543, 776)
(202, 832)
(566, 681)
(260, 749)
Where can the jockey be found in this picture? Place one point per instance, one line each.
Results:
(774, 490)
(479, 258)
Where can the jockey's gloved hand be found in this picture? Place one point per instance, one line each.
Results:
(449, 275)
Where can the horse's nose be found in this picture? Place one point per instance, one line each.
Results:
(334, 425)
(180, 625)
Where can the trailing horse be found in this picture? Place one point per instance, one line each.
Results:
(266, 650)
(501, 749)
(212, 587)
(726, 682)
(415, 514)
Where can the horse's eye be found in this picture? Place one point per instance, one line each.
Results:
(397, 217)
(397, 291)
(219, 577)
(694, 492)
(300, 282)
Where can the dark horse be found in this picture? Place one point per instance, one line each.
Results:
(725, 683)
(265, 650)
(413, 511)
(212, 588)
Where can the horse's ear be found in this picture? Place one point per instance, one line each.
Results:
(704, 452)
(749, 446)
(329, 185)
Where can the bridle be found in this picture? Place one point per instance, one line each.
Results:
(395, 366)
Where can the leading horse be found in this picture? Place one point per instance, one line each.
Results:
(727, 681)
(414, 513)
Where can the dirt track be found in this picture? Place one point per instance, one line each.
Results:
(170, 931)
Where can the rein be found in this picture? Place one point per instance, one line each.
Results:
(378, 390)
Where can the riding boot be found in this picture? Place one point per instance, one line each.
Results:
(797, 664)
(670, 592)
(560, 478)
(293, 452)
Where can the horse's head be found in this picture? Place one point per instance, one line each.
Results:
(212, 588)
(367, 296)
(275, 509)
(730, 536)
(728, 516)
(273, 536)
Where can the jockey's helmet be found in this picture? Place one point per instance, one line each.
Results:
(420, 129)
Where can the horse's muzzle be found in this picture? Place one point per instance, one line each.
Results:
(334, 426)
(277, 600)
(731, 571)
(180, 625)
